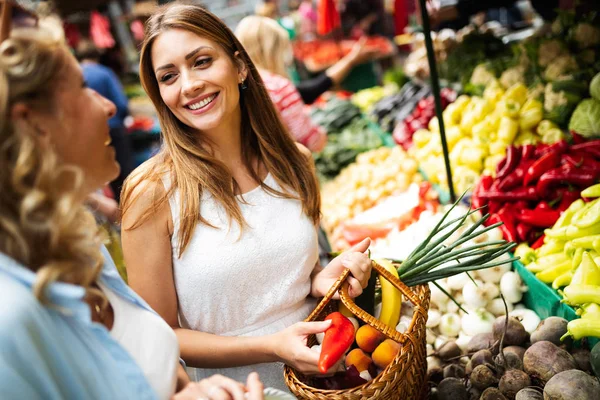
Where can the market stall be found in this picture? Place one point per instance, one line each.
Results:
(518, 136)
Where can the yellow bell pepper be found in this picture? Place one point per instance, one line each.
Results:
(526, 137)
(508, 129)
(552, 136)
(544, 126)
(517, 92)
(531, 114)
(508, 108)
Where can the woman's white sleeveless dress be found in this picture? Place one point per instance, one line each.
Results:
(250, 285)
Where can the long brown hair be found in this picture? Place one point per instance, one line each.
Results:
(43, 222)
(192, 168)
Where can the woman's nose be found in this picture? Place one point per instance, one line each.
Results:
(192, 85)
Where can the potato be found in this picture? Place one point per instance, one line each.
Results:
(492, 394)
(483, 377)
(572, 385)
(529, 394)
(550, 329)
(481, 341)
(452, 389)
(449, 350)
(516, 335)
(544, 359)
(512, 381)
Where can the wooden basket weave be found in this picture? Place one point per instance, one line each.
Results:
(404, 377)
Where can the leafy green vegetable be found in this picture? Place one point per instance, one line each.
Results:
(586, 119)
(343, 147)
(595, 87)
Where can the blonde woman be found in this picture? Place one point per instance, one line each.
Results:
(269, 47)
(220, 227)
(69, 326)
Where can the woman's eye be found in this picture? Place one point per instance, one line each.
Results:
(202, 62)
(166, 77)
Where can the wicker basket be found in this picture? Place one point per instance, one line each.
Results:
(404, 377)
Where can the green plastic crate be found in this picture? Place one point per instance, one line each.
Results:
(543, 299)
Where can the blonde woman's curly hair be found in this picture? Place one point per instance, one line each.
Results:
(43, 222)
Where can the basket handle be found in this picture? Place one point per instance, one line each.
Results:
(341, 286)
(388, 331)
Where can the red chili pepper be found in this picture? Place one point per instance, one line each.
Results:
(500, 165)
(523, 231)
(548, 161)
(568, 197)
(577, 138)
(528, 152)
(508, 225)
(592, 144)
(558, 175)
(513, 156)
(543, 205)
(560, 146)
(523, 193)
(538, 243)
(515, 178)
(538, 218)
(580, 159)
(338, 338)
(494, 206)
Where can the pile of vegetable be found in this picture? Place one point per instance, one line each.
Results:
(585, 120)
(510, 363)
(420, 117)
(392, 109)
(335, 114)
(557, 67)
(416, 65)
(478, 132)
(569, 259)
(342, 147)
(375, 175)
(365, 99)
(535, 184)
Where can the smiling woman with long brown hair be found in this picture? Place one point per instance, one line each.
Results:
(220, 227)
(70, 328)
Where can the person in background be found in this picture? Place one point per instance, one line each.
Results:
(271, 51)
(220, 227)
(103, 80)
(70, 327)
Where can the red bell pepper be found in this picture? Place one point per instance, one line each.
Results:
(538, 218)
(546, 162)
(538, 243)
(513, 156)
(338, 338)
(558, 175)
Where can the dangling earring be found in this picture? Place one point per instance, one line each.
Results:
(243, 85)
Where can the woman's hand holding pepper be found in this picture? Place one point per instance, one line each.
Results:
(290, 345)
(353, 259)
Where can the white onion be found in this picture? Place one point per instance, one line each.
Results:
(496, 307)
(512, 287)
(450, 325)
(477, 321)
(473, 295)
(457, 282)
(433, 318)
(529, 319)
